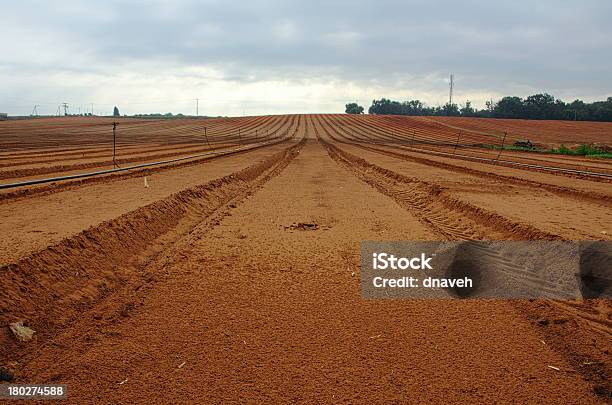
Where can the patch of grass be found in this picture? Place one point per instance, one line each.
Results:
(590, 150)
(582, 150)
(563, 150)
(523, 148)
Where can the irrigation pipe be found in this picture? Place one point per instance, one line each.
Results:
(122, 169)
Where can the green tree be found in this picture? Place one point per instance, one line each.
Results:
(540, 106)
(509, 107)
(354, 108)
(468, 110)
(116, 112)
(450, 109)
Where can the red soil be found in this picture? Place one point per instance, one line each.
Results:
(237, 278)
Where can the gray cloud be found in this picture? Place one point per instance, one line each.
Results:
(400, 49)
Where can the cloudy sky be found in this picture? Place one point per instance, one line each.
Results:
(260, 57)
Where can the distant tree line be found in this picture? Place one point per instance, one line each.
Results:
(159, 115)
(171, 116)
(537, 107)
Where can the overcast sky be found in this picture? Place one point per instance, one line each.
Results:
(260, 57)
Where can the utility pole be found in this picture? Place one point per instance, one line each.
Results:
(35, 110)
(65, 106)
(501, 149)
(457, 144)
(92, 111)
(451, 85)
(206, 137)
(114, 143)
(197, 100)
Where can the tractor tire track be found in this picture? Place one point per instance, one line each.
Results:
(597, 198)
(450, 218)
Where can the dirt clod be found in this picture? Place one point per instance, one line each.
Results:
(21, 332)
(543, 322)
(303, 226)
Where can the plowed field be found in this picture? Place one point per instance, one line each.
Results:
(234, 277)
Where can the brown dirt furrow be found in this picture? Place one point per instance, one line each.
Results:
(50, 288)
(45, 189)
(65, 213)
(599, 198)
(90, 153)
(431, 142)
(137, 143)
(540, 208)
(545, 166)
(59, 170)
(451, 218)
(541, 131)
(50, 136)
